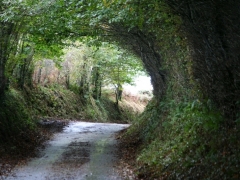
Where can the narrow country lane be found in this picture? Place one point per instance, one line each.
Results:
(82, 151)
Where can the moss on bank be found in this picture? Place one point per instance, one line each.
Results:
(54, 101)
(186, 140)
(19, 135)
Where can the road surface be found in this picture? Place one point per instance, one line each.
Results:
(83, 151)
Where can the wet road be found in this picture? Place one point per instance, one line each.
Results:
(83, 151)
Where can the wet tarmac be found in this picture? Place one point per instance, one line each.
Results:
(83, 151)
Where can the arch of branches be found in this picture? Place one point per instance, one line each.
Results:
(207, 31)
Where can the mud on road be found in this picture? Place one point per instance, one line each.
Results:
(83, 151)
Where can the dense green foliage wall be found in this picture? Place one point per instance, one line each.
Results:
(212, 30)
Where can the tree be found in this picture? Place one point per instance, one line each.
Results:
(25, 38)
(149, 29)
(5, 39)
(93, 67)
(135, 25)
(116, 67)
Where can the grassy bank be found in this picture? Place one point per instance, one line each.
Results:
(186, 140)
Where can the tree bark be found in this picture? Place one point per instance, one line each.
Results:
(6, 30)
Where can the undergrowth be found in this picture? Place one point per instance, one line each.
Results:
(14, 115)
(54, 101)
(18, 132)
(186, 140)
(105, 109)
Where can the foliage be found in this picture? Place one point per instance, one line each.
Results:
(215, 61)
(184, 133)
(21, 110)
(117, 65)
(14, 117)
(92, 67)
(185, 141)
(53, 101)
(189, 48)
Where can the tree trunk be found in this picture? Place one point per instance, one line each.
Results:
(2, 76)
(26, 70)
(95, 82)
(5, 37)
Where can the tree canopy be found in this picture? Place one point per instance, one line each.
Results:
(150, 29)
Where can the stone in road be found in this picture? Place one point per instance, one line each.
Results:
(83, 151)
